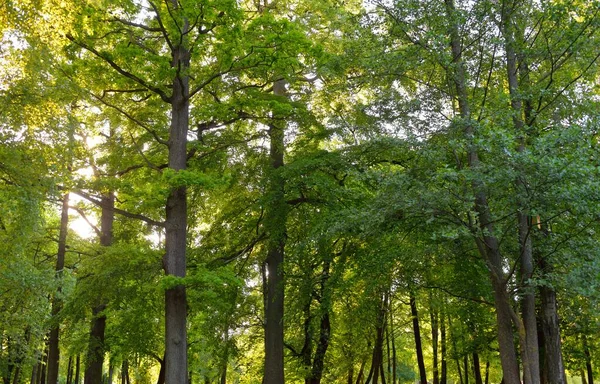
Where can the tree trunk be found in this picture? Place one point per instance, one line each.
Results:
(275, 223)
(530, 358)
(361, 373)
(417, 333)
(552, 342)
(125, 372)
(487, 244)
(53, 347)
(434, 316)
(70, 371)
(111, 372)
(477, 369)
(444, 373)
(34, 373)
(324, 329)
(394, 357)
(77, 369)
(96, 349)
(588, 361)
(466, 368)
(95, 354)
(17, 375)
(174, 262)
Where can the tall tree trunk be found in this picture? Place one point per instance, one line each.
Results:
(552, 343)
(70, 371)
(417, 333)
(77, 369)
(553, 365)
(34, 373)
(176, 368)
(124, 372)
(275, 223)
(530, 358)
(487, 244)
(95, 353)
(361, 373)
(444, 366)
(96, 349)
(477, 369)
(434, 317)
(111, 372)
(17, 375)
(324, 329)
(53, 341)
(466, 368)
(391, 330)
(588, 361)
(377, 357)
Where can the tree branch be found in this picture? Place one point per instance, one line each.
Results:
(120, 70)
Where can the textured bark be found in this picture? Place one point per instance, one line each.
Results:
(174, 261)
(552, 343)
(95, 354)
(318, 362)
(487, 243)
(530, 352)
(53, 341)
(466, 368)
(96, 349)
(275, 223)
(418, 344)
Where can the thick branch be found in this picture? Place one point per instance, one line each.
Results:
(137, 216)
(120, 70)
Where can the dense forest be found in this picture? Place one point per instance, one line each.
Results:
(317, 191)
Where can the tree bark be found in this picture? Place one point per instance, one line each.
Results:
(53, 341)
(417, 333)
(275, 223)
(70, 371)
(552, 343)
(530, 358)
(96, 349)
(588, 361)
(434, 316)
(477, 369)
(77, 369)
(324, 329)
(444, 366)
(174, 261)
(95, 354)
(487, 243)
(394, 357)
